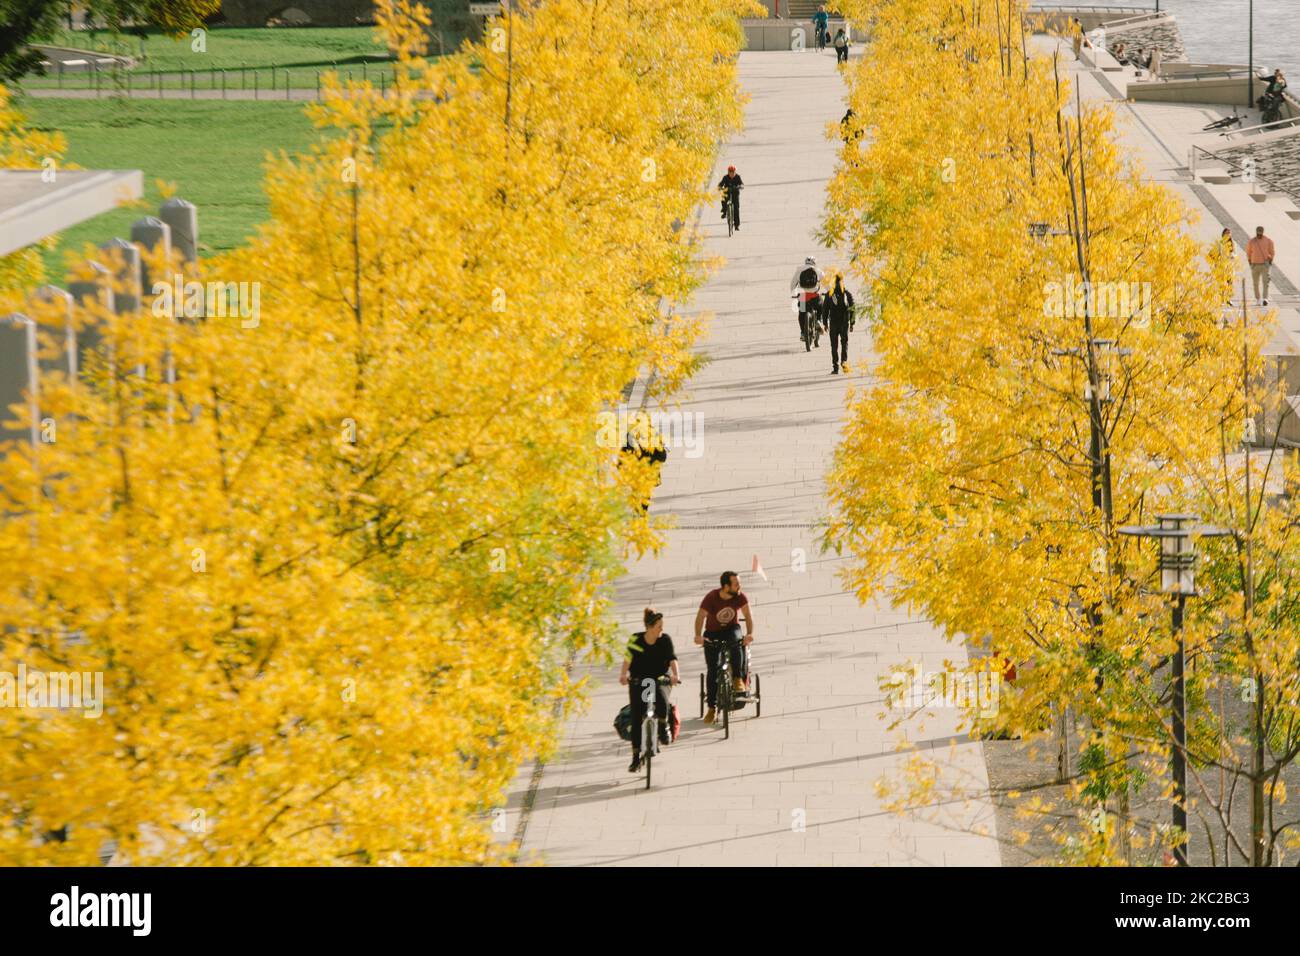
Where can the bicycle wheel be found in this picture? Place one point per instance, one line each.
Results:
(649, 742)
(703, 695)
(724, 699)
(758, 697)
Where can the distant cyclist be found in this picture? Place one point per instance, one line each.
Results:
(821, 26)
(731, 185)
(804, 286)
(717, 621)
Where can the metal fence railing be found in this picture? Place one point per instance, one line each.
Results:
(1266, 184)
(258, 83)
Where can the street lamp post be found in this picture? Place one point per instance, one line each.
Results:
(1250, 55)
(1177, 534)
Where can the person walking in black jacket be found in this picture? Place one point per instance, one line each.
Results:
(838, 304)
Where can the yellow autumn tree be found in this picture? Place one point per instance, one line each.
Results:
(22, 147)
(1053, 365)
(332, 574)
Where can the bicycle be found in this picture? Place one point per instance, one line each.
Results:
(821, 38)
(650, 725)
(729, 210)
(728, 700)
(1233, 120)
(812, 324)
(1270, 105)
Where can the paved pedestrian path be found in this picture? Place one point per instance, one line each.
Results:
(795, 786)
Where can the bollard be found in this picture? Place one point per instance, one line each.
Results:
(53, 294)
(125, 258)
(95, 291)
(286, 84)
(28, 324)
(192, 74)
(87, 292)
(150, 233)
(255, 82)
(223, 84)
(154, 236)
(183, 218)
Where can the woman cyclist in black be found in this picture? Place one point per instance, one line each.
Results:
(650, 656)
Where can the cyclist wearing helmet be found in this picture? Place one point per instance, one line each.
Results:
(731, 185)
(803, 286)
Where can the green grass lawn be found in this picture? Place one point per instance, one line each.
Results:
(231, 48)
(214, 152)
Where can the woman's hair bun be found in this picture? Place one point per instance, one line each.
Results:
(651, 615)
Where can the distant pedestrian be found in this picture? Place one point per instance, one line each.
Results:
(1138, 60)
(839, 314)
(644, 442)
(1259, 253)
(1153, 63)
(1076, 36)
(1226, 251)
(841, 46)
(847, 132)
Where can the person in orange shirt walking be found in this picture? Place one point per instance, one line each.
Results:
(1259, 253)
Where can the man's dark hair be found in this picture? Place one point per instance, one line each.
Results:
(727, 576)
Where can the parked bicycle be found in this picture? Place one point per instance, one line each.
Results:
(728, 699)
(1270, 105)
(1227, 121)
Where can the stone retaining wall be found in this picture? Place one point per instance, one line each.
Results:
(1159, 32)
(1277, 160)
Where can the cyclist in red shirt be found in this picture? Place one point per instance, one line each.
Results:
(717, 621)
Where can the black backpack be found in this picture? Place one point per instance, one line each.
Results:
(808, 278)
